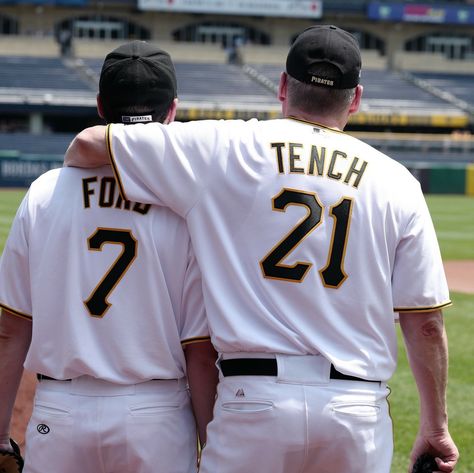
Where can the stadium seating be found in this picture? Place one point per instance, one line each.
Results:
(384, 91)
(48, 144)
(194, 80)
(459, 85)
(226, 86)
(38, 73)
(422, 148)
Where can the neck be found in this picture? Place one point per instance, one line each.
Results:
(330, 122)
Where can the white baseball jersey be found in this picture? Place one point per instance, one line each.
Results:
(112, 286)
(308, 239)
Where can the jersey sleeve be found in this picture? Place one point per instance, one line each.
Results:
(194, 322)
(164, 164)
(418, 280)
(15, 290)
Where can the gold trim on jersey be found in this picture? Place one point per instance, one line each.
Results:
(16, 313)
(333, 274)
(390, 409)
(283, 240)
(112, 267)
(190, 341)
(333, 236)
(316, 124)
(423, 309)
(318, 161)
(108, 144)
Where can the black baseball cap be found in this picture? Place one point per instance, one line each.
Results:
(325, 44)
(140, 75)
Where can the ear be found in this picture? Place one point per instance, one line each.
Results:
(282, 87)
(100, 108)
(356, 100)
(171, 112)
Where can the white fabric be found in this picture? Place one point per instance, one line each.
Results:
(48, 271)
(226, 179)
(89, 425)
(331, 427)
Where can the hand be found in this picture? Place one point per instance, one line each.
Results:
(11, 460)
(441, 445)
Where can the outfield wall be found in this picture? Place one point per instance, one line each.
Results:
(18, 170)
(444, 179)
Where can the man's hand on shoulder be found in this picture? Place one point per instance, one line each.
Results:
(88, 149)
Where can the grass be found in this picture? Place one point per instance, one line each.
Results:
(404, 401)
(9, 201)
(453, 217)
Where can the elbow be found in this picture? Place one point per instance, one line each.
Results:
(432, 329)
(75, 150)
(423, 327)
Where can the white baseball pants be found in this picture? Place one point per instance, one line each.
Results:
(299, 421)
(88, 425)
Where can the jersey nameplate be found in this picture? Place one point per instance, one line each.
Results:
(337, 165)
(104, 193)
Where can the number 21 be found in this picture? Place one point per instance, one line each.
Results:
(332, 274)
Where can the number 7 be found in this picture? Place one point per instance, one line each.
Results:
(332, 274)
(97, 303)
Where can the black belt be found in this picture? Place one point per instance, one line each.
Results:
(42, 377)
(269, 367)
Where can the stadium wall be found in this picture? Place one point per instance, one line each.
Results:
(17, 170)
(439, 179)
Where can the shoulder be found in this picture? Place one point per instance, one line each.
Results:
(383, 160)
(45, 182)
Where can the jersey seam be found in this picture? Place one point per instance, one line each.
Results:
(190, 341)
(423, 308)
(318, 125)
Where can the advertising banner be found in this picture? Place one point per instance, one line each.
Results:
(285, 8)
(21, 171)
(421, 13)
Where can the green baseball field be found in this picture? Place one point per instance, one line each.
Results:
(454, 221)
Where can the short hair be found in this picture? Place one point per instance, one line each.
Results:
(309, 98)
(114, 114)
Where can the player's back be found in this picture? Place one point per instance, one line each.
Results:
(318, 220)
(306, 235)
(107, 280)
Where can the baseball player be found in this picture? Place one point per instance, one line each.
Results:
(103, 296)
(310, 240)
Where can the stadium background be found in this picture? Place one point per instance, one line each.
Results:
(418, 104)
(418, 61)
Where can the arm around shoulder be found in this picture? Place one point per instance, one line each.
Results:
(88, 149)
